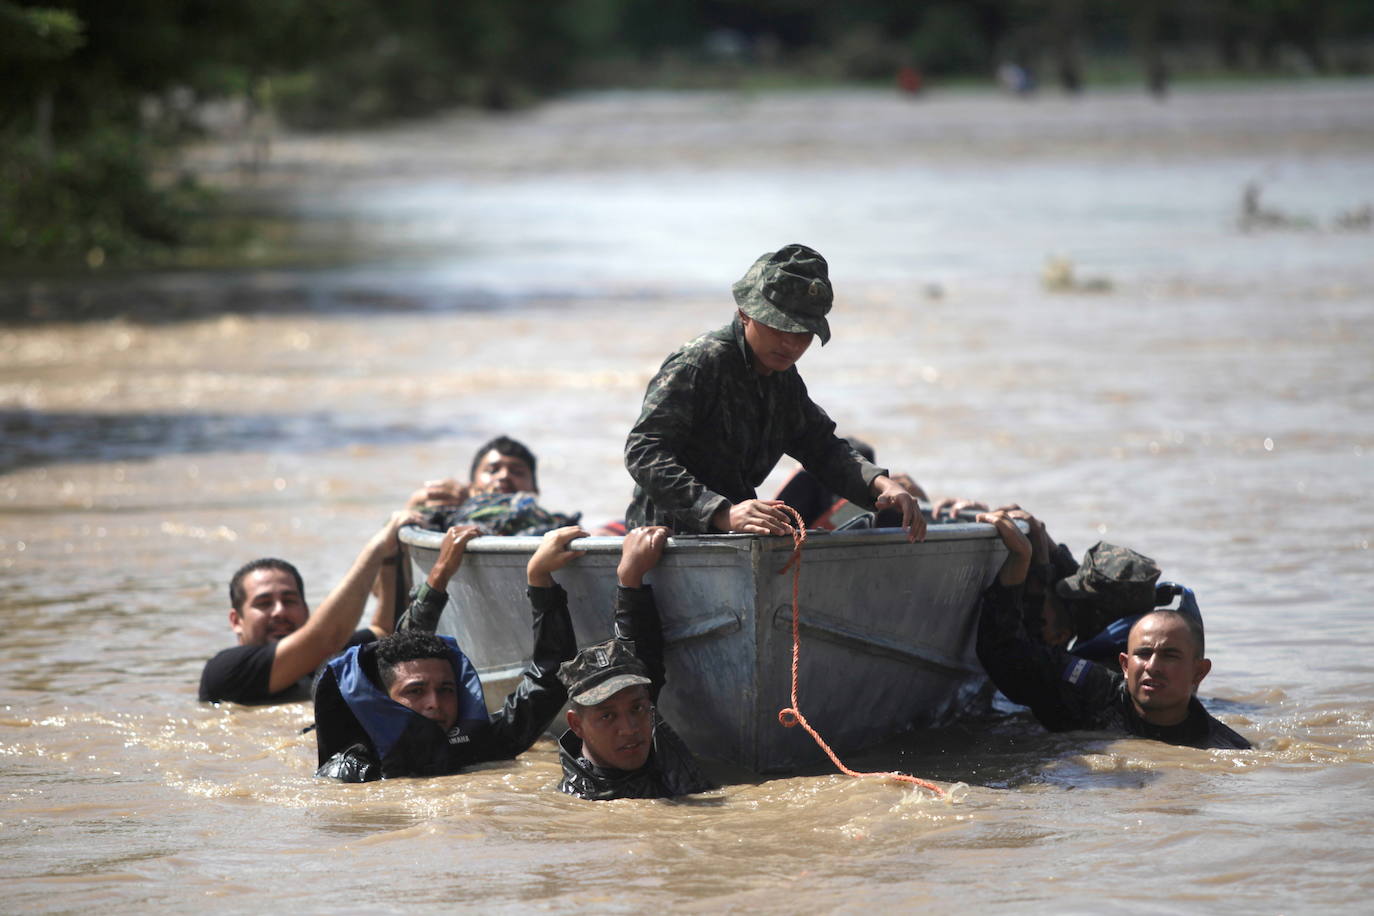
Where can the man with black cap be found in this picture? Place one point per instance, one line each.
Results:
(725, 407)
(616, 745)
(1152, 696)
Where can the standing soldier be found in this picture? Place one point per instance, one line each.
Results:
(724, 408)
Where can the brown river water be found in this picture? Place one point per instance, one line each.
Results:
(1214, 409)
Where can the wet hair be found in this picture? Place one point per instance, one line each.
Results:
(236, 593)
(407, 646)
(505, 445)
(1192, 621)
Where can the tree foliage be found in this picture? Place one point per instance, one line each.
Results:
(95, 88)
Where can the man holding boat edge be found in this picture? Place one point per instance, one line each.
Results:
(1151, 697)
(280, 642)
(617, 745)
(726, 406)
(412, 704)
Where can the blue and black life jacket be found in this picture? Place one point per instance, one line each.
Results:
(352, 708)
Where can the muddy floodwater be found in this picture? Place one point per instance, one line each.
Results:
(1202, 391)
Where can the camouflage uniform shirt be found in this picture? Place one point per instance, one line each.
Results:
(712, 428)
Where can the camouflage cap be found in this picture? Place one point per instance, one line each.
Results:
(1114, 582)
(788, 289)
(599, 672)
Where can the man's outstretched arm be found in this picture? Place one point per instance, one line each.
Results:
(329, 628)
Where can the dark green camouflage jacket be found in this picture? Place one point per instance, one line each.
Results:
(712, 428)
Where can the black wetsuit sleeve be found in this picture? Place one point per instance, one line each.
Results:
(242, 674)
(426, 607)
(540, 694)
(1064, 692)
(637, 621)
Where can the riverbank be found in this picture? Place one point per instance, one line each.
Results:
(403, 218)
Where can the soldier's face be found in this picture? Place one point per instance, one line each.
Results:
(1162, 668)
(774, 350)
(619, 732)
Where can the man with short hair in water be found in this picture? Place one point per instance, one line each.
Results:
(617, 746)
(280, 642)
(416, 671)
(502, 465)
(500, 500)
(1152, 696)
(412, 704)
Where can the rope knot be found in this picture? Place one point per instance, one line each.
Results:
(788, 717)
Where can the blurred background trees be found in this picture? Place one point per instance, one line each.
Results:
(97, 93)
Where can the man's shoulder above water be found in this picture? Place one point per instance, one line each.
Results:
(1201, 729)
(243, 674)
(1116, 713)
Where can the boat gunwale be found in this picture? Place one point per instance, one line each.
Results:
(429, 539)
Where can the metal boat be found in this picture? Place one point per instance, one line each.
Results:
(887, 630)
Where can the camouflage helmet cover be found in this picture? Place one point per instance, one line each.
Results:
(599, 672)
(1111, 582)
(788, 289)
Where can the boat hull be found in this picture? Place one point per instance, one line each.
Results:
(887, 630)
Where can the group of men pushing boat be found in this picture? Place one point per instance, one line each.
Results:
(394, 699)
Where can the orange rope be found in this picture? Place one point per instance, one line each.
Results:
(792, 715)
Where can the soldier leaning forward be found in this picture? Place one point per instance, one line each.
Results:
(724, 408)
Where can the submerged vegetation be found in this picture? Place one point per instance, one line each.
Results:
(101, 94)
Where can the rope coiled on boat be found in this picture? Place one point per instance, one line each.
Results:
(792, 716)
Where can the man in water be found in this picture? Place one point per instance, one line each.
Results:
(724, 408)
(280, 643)
(502, 465)
(412, 704)
(1151, 697)
(501, 500)
(616, 745)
